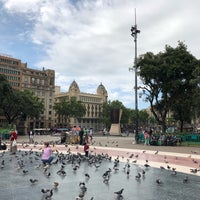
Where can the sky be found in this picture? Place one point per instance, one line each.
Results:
(90, 41)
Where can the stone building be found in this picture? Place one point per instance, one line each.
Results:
(42, 85)
(40, 82)
(93, 104)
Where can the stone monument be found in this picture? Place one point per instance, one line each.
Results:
(115, 128)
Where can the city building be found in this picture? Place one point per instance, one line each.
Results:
(92, 102)
(40, 82)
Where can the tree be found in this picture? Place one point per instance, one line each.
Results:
(105, 117)
(66, 109)
(5, 88)
(17, 105)
(167, 79)
(126, 117)
(32, 106)
(76, 108)
(143, 118)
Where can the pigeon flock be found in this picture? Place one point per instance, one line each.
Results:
(73, 176)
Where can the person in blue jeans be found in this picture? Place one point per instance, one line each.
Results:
(47, 154)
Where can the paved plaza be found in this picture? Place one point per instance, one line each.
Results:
(155, 169)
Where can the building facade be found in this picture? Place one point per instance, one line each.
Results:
(92, 102)
(40, 82)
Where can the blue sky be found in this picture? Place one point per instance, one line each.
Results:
(89, 41)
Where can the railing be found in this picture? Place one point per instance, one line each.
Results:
(182, 138)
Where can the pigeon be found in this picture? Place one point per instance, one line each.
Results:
(75, 168)
(55, 162)
(106, 179)
(82, 187)
(87, 175)
(194, 161)
(174, 173)
(193, 171)
(55, 185)
(119, 192)
(143, 172)
(161, 167)
(138, 176)
(49, 194)
(131, 156)
(128, 171)
(61, 172)
(46, 166)
(25, 171)
(186, 179)
(97, 166)
(2, 164)
(80, 196)
(48, 174)
(159, 182)
(33, 181)
(37, 166)
(45, 190)
(168, 167)
(81, 184)
(156, 152)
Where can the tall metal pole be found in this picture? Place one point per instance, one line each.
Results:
(134, 32)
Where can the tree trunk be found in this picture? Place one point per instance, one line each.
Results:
(181, 128)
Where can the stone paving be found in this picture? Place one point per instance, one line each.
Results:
(156, 162)
(182, 158)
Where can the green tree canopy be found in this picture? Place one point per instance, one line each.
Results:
(66, 109)
(167, 79)
(15, 104)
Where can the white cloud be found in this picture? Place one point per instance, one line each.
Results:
(90, 41)
(22, 6)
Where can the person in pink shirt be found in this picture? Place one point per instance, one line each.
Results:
(47, 154)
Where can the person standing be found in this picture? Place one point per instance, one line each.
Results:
(63, 137)
(86, 149)
(13, 141)
(150, 134)
(85, 136)
(146, 138)
(81, 132)
(91, 134)
(31, 137)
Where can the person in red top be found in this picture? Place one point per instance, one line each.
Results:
(86, 149)
(13, 136)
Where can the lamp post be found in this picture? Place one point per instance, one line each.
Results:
(134, 32)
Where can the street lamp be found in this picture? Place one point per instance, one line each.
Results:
(134, 32)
